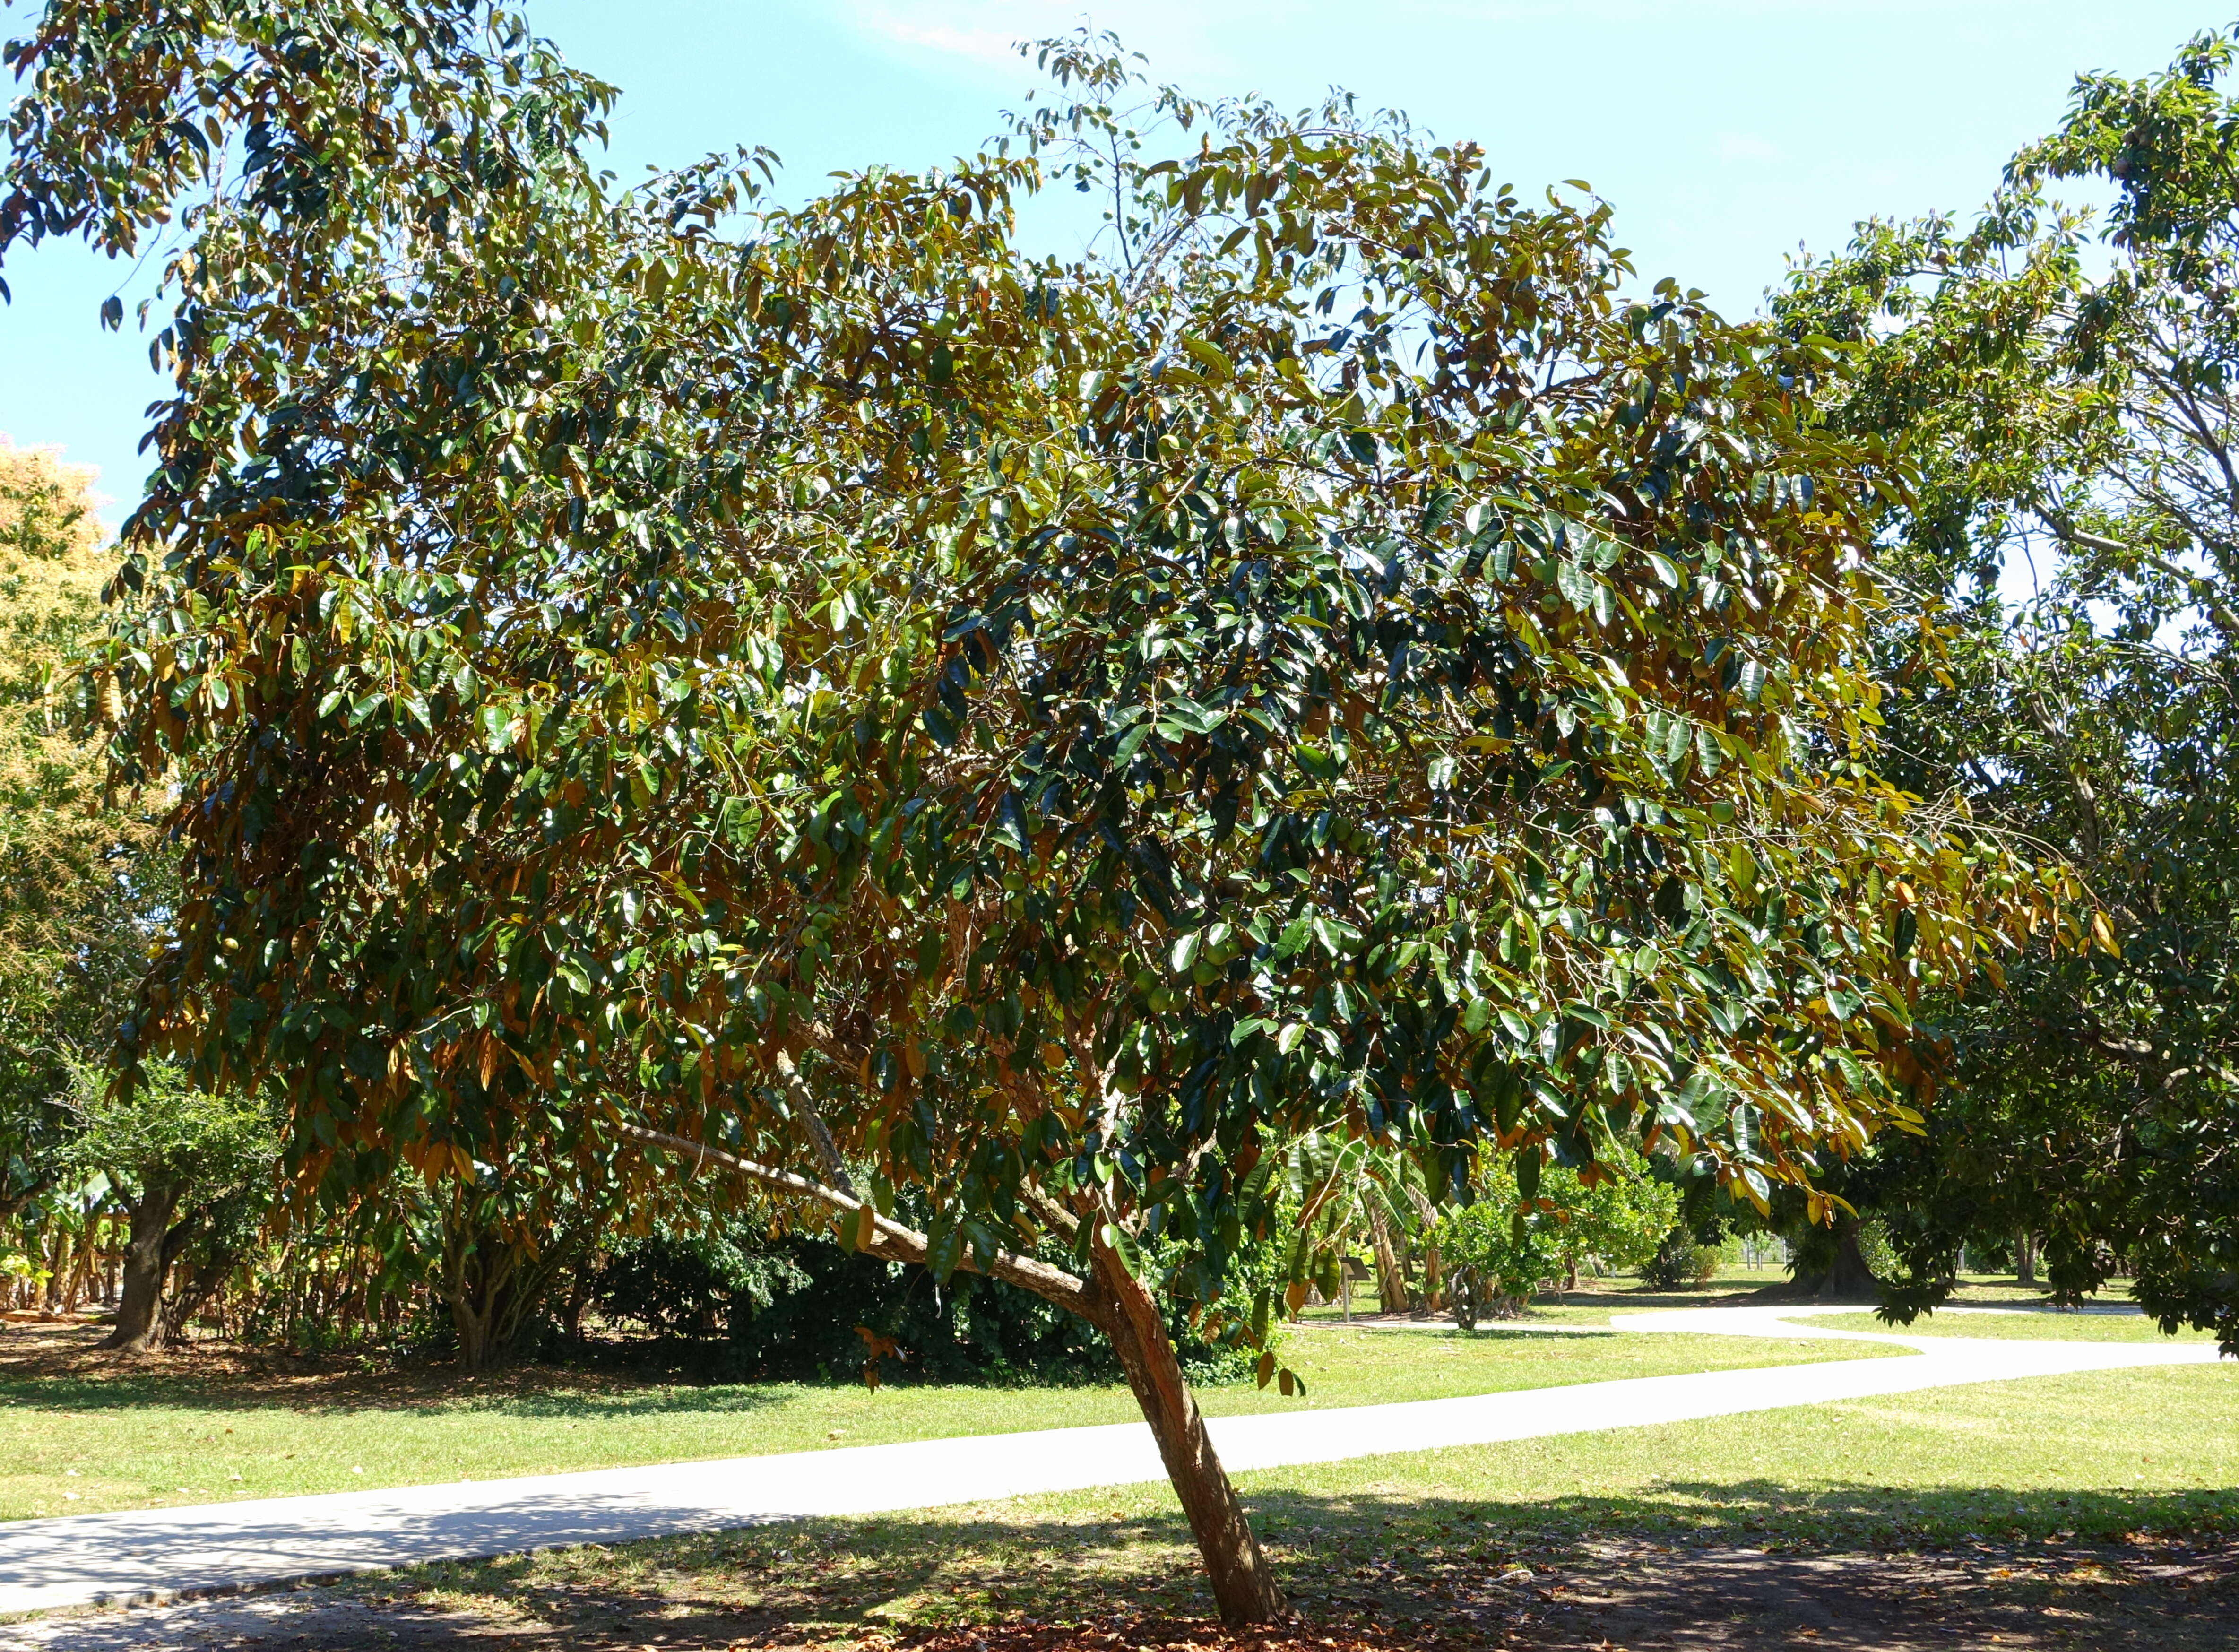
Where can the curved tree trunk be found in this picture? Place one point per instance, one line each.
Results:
(199, 1285)
(1114, 1301)
(198, 1288)
(1243, 1586)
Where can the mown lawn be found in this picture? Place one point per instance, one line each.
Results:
(2054, 1494)
(79, 1433)
(2037, 1325)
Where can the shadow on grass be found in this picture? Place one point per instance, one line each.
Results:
(62, 1369)
(1758, 1547)
(534, 1395)
(1721, 1293)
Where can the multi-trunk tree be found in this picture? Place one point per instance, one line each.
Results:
(823, 694)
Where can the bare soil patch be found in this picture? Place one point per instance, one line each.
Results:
(65, 1356)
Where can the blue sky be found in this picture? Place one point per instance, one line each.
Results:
(1726, 132)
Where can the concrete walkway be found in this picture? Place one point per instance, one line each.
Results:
(164, 1553)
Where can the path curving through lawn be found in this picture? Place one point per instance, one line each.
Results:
(159, 1554)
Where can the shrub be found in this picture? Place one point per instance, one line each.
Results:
(1500, 1247)
(1679, 1262)
(787, 1309)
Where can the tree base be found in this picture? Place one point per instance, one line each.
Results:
(1847, 1277)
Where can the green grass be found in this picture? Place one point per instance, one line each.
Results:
(77, 1436)
(2107, 1457)
(2042, 1327)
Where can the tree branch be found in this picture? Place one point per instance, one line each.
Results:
(890, 1240)
(827, 1151)
(2199, 589)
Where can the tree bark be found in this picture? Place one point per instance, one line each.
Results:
(492, 1285)
(147, 1253)
(1391, 1279)
(2024, 1259)
(57, 1269)
(1242, 1587)
(1847, 1274)
(1114, 1301)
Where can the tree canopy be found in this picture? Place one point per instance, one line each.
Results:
(74, 877)
(54, 835)
(2062, 389)
(824, 689)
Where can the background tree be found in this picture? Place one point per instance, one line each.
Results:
(73, 871)
(1347, 1193)
(825, 695)
(1504, 1246)
(189, 1170)
(83, 886)
(2070, 408)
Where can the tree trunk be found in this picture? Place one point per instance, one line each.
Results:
(1115, 1303)
(1847, 1276)
(57, 1269)
(194, 1294)
(492, 1285)
(579, 1281)
(470, 1319)
(479, 1293)
(2024, 1259)
(1242, 1587)
(1434, 1285)
(1391, 1280)
(148, 1255)
(81, 1271)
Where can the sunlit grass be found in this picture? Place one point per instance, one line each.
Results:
(121, 1438)
(2042, 1325)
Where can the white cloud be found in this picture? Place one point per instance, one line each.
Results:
(988, 30)
(1746, 148)
(925, 28)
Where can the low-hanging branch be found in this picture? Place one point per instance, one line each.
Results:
(888, 1240)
